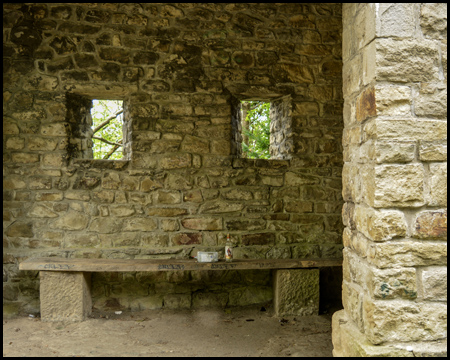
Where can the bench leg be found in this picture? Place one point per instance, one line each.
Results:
(296, 292)
(65, 296)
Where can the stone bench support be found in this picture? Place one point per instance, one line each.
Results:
(296, 292)
(65, 296)
(65, 288)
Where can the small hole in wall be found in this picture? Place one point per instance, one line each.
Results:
(255, 129)
(108, 129)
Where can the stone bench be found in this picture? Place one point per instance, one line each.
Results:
(65, 284)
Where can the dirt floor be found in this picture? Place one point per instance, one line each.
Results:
(252, 331)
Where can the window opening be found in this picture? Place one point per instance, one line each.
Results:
(255, 129)
(107, 128)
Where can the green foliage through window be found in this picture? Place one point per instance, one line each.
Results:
(107, 122)
(256, 129)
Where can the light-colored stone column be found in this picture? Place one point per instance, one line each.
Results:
(296, 292)
(65, 296)
(395, 215)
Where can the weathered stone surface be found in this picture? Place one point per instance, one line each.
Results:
(406, 60)
(176, 161)
(168, 197)
(86, 182)
(407, 254)
(399, 185)
(41, 211)
(20, 229)
(187, 239)
(237, 194)
(166, 212)
(401, 320)
(208, 300)
(296, 292)
(177, 301)
(258, 239)
(409, 130)
(105, 225)
(438, 185)
(433, 20)
(380, 225)
(348, 341)
(247, 225)
(434, 283)
(149, 185)
(250, 295)
(396, 20)
(350, 182)
(110, 181)
(72, 220)
(393, 283)
(220, 207)
(431, 225)
(203, 223)
(366, 105)
(433, 150)
(65, 296)
(195, 144)
(394, 152)
(431, 101)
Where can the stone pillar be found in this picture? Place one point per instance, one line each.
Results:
(296, 292)
(394, 181)
(65, 296)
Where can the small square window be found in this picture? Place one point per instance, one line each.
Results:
(107, 129)
(255, 129)
(97, 128)
(262, 129)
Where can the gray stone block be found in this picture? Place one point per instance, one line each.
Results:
(296, 292)
(65, 296)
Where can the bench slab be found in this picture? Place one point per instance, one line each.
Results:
(65, 284)
(121, 265)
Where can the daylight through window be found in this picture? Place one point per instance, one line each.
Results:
(107, 127)
(255, 129)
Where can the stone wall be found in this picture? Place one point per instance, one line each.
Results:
(394, 181)
(180, 69)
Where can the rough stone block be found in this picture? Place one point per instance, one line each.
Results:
(434, 283)
(20, 229)
(393, 283)
(366, 105)
(431, 225)
(396, 20)
(402, 320)
(348, 341)
(412, 60)
(350, 182)
(65, 296)
(352, 299)
(431, 100)
(393, 100)
(394, 152)
(433, 150)
(408, 130)
(433, 20)
(203, 223)
(140, 224)
(438, 185)
(177, 301)
(399, 185)
(380, 225)
(296, 292)
(407, 253)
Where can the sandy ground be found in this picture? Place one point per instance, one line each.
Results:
(231, 332)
